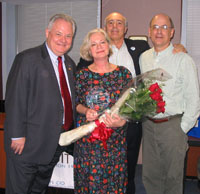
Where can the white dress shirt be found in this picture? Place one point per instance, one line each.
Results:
(54, 60)
(121, 57)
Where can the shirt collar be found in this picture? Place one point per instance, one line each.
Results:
(165, 52)
(52, 55)
(122, 47)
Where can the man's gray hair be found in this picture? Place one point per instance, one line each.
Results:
(65, 17)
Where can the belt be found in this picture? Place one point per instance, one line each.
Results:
(165, 119)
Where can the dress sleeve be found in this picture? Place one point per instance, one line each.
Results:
(80, 89)
(127, 76)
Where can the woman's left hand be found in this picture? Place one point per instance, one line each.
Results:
(114, 121)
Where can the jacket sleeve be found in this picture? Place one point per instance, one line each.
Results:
(16, 99)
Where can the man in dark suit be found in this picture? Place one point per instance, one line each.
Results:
(35, 109)
(126, 53)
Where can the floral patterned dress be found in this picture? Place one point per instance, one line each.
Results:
(96, 169)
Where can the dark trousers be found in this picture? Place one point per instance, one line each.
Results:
(134, 135)
(29, 178)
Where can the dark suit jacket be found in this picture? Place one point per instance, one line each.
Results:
(135, 49)
(33, 104)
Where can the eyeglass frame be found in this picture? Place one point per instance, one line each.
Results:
(163, 27)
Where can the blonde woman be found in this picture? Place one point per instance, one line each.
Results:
(100, 166)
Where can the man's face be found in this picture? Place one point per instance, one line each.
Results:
(115, 26)
(161, 32)
(59, 37)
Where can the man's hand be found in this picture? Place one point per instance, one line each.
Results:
(179, 48)
(18, 145)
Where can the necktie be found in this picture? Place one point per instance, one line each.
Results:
(68, 118)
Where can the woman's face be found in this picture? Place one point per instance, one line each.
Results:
(99, 46)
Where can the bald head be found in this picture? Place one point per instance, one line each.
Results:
(116, 15)
(162, 15)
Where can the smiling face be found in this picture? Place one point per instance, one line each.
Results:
(59, 37)
(99, 47)
(161, 32)
(115, 26)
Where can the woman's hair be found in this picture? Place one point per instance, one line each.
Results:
(85, 47)
(65, 17)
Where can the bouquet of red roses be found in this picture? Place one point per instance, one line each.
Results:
(145, 100)
(142, 97)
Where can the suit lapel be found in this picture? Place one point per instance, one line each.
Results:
(49, 67)
(132, 49)
(70, 75)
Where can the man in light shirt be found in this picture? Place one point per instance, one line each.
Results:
(164, 136)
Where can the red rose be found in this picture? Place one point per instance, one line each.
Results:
(156, 96)
(161, 104)
(158, 90)
(161, 107)
(154, 87)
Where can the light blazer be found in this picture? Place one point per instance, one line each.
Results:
(33, 104)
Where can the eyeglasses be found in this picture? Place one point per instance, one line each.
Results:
(163, 27)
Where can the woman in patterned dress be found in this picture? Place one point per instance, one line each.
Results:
(100, 167)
